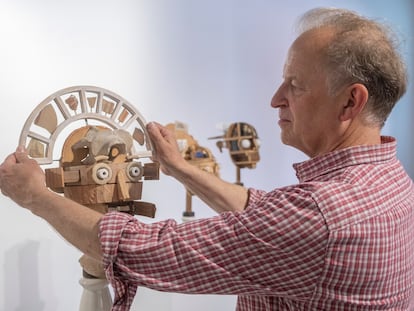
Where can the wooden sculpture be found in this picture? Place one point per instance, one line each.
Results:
(196, 155)
(243, 144)
(102, 163)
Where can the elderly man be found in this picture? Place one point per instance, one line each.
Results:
(340, 239)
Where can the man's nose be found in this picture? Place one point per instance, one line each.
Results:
(279, 98)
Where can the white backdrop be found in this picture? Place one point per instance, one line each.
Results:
(200, 62)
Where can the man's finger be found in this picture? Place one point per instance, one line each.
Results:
(21, 155)
(154, 132)
(10, 160)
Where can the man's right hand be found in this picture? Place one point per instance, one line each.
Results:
(21, 178)
(166, 150)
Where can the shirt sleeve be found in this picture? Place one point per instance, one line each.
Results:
(274, 247)
(112, 227)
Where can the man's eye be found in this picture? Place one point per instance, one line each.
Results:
(296, 89)
(294, 84)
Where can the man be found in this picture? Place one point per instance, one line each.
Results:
(341, 239)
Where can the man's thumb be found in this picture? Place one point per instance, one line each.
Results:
(21, 154)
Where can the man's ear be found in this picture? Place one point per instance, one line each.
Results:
(357, 97)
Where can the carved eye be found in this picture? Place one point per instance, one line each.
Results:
(246, 143)
(101, 173)
(134, 171)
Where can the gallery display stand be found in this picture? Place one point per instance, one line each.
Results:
(95, 296)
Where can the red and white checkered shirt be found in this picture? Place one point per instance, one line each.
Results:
(341, 239)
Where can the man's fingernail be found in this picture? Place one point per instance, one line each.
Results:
(20, 149)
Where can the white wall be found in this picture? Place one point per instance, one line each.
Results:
(200, 62)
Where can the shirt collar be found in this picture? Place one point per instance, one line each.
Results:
(320, 165)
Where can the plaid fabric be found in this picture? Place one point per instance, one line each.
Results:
(341, 239)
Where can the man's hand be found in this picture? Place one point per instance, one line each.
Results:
(21, 178)
(166, 150)
(216, 193)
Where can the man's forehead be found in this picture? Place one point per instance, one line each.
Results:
(314, 39)
(307, 49)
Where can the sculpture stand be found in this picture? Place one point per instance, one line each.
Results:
(188, 214)
(196, 155)
(238, 177)
(96, 295)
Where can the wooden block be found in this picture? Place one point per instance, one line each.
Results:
(93, 194)
(123, 192)
(144, 209)
(54, 179)
(152, 171)
(71, 176)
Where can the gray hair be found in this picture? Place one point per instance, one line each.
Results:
(361, 51)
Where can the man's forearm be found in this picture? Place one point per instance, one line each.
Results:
(215, 192)
(22, 179)
(218, 194)
(78, 224)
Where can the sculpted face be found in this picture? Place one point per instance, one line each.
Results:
(243, 144)
(98, 169)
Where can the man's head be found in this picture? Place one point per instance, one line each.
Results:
(361, 51)
(342, 77)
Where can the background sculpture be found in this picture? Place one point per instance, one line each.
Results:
(196, 155)
(243, 144)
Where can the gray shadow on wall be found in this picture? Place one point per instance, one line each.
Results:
(21, 278)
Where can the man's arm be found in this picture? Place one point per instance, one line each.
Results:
(22, 179)
(216, 193)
